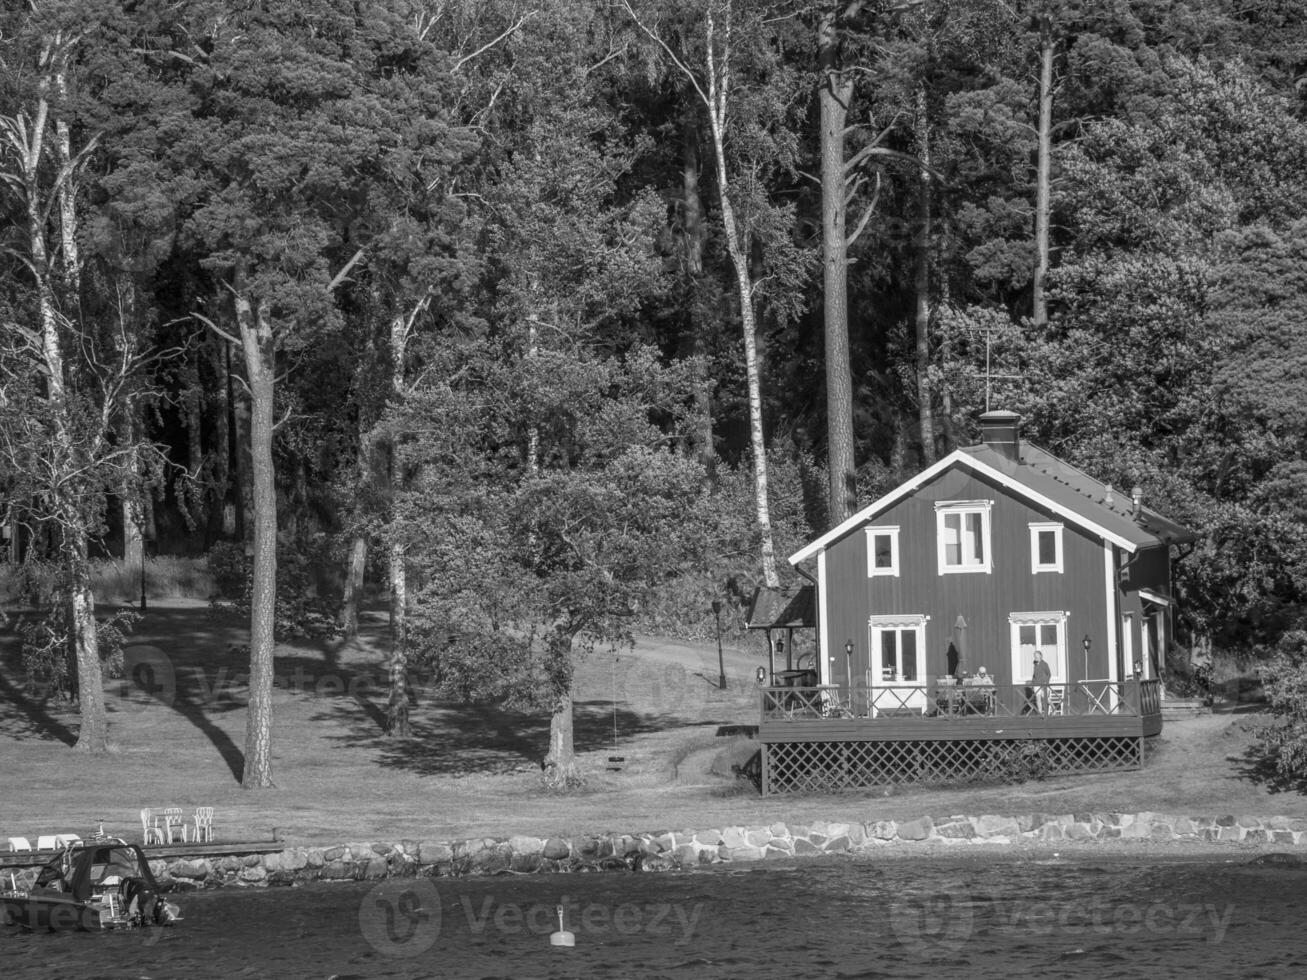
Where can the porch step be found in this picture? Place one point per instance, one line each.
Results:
(1184, 708)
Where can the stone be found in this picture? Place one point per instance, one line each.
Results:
(333, 853)
(733, 837)
(804, 846)
(556, 849)
(837, 845)
(919, 829)
(745, 853)
(314, 858)
(956, 829)
(1080, 831)
(526, 845)
(883, 830)
(196, 870)
(990, 825)
(253, 875)
(759, 836)
(778, 829)
(686, 854)
(434, 852)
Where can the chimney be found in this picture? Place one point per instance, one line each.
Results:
(1137, 501)
(1001, 431)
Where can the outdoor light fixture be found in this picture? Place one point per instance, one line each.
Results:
(1085, 643)
(762, 674)
(721, 664)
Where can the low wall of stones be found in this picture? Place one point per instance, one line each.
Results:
(672, 850)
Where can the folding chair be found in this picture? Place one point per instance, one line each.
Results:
(1056, 700)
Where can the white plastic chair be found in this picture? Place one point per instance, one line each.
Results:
(173, 823)
(47, 842)
(63, 840)
(150, 829)
(203, 824)
(19, 844)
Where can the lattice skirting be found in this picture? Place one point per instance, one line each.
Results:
(798, 766)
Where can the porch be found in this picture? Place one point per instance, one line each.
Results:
(825, 738)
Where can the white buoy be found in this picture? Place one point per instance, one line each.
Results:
(562, 937)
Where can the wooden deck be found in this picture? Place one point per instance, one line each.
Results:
(835, 738)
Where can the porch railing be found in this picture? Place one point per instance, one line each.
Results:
(945, 700)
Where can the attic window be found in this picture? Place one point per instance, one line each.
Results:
(962, 531)
(1045, 548)
(883, 551)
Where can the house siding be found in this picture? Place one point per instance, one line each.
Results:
(983, 600)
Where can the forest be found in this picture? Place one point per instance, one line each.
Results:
(544, 320)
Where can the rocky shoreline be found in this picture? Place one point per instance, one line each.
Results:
(675, 850)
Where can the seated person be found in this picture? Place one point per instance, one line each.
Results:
(983, 679)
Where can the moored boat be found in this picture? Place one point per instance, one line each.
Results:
(100, 883)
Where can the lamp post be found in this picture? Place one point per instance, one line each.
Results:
(1085, 644)
(141, 525)
(848, 668)
(721, 664)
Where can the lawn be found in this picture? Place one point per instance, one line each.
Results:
(474, 770)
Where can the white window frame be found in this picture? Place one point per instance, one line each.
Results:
(893, 533)
(1036, 529)
(876, 625)
(944, 508)
(1022, 664)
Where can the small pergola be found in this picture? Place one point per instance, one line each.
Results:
(776, 610)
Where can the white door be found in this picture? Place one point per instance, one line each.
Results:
(897, 670)
(1042, 631)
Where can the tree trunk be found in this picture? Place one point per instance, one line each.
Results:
(1043, 182)
(397, 705)
(30, 151)
(836, 89)
(693, 235)
(260, 365)
(560, 762)
(735, 245)
(93, 735)
(349, 603)
(240, 455)
(925, 395)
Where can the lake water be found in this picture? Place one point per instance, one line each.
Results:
(837, 917)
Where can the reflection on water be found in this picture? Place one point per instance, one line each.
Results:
(829, 918)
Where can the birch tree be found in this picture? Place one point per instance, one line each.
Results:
(712, 82)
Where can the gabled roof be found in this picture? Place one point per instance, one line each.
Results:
(772, 609)
(1044, 480)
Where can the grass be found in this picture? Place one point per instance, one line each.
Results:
(474, 770)
(166, 577)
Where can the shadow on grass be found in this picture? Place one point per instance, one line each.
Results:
(1259, 763)
(457, 740)
(24, 716)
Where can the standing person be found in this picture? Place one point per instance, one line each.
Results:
(1040, 679)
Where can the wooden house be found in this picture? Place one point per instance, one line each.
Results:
(995, 552)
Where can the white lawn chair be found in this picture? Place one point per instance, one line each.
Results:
(203, 824)
(63, 840)
(19, 844)
(173, 824)
(47, 842)
(150, 829)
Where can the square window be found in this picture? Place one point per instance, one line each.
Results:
(883, 551)
(1045, 548)
(964, 536)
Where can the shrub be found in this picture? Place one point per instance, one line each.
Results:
(47, 644)
(1284, 677)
